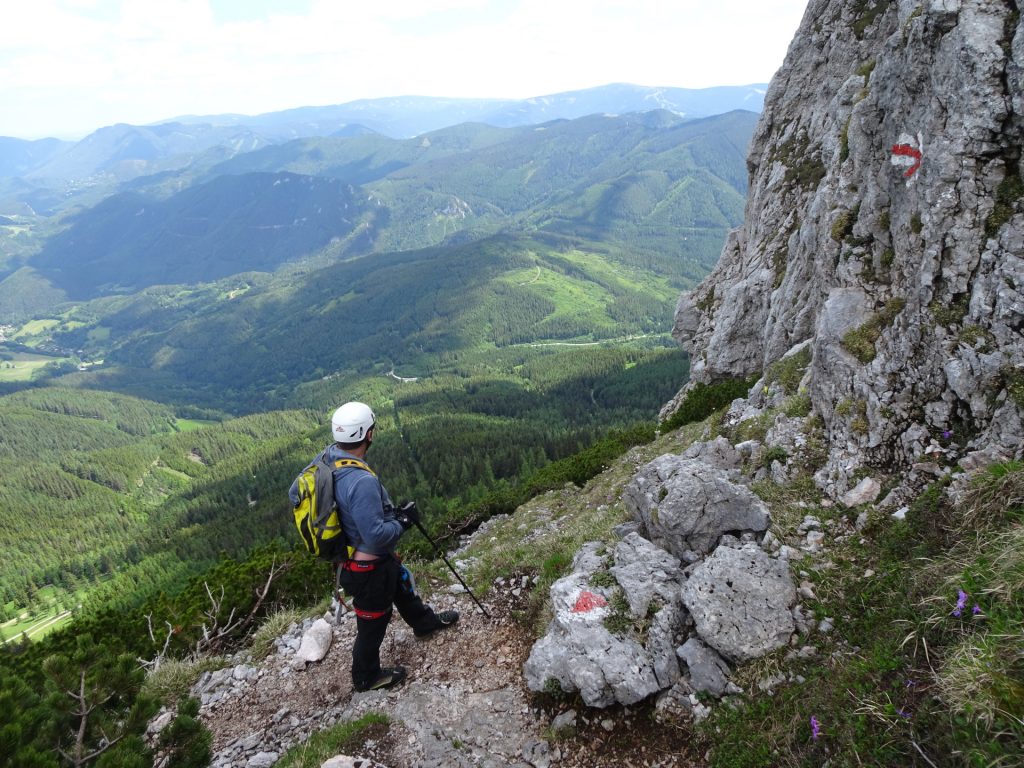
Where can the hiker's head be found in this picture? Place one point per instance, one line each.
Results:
(352, 425)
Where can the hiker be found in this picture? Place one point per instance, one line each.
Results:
(373, 576)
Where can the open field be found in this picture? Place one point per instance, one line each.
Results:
(35, 626)
(23, 365)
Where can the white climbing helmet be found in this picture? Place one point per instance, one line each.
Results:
(351, 422)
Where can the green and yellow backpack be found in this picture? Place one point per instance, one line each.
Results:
(317, 515)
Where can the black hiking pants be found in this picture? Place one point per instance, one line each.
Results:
(375, 586)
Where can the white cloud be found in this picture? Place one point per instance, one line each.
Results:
(141, 61)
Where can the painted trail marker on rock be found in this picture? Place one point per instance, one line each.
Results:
(588, 601)
(908, 153)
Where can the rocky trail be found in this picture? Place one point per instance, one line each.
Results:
(464, 703)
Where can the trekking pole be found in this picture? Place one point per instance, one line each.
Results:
(452, 567)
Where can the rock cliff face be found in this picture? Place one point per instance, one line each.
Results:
(885, 223)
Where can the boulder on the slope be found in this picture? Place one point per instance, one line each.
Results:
(645, 571)
(582, 654)
(718, 453)
(316, 642)
(865, 492)
(708, 672)
(685, 505)
(741, 600)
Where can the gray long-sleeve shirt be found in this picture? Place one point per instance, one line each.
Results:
(367, 515)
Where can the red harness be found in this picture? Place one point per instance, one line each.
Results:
(358, 566)
(363, 566)
(361, 614)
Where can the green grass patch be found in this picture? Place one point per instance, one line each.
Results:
(619, 619)
(860, 342)
(912, 674)
(789, 371)
(752, 429)
(773, 454)
(704, 399)
(803, 167)
(865, 12)
(842, 227)
(273, 627)
(865, 69)
(172, 680)
(99, 334)
(951, 312)
(23, 366)
(35, 625)
(343, 738)
(1013, 379)
(798, 405)
(790, 502)
(1009, 191)
(976, 337)
(35, 328)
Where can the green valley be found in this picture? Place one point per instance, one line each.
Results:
(501, 296)
(659, 185)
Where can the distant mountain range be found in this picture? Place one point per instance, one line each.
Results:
(407, 116)
(18, 157)
(632, 180)
(121, 152)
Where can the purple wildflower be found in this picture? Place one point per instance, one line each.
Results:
(815, 728)
(946, 435)
(976, 610)
(961, 603)
(903, 713)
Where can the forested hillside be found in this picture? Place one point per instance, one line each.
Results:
(109, 498)
(232, 224)
(170, 355)
(231, 346)
(635, 181)
(532, 325)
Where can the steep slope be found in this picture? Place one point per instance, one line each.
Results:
(229, 225)
(884, 224)
(127, 151)
(18, 156)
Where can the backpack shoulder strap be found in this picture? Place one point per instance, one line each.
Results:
(353, 463)
(342, 463)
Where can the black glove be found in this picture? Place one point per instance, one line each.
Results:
(407, 514)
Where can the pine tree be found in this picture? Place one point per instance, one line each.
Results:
(94, 702)
(21, 716)
(187, 741)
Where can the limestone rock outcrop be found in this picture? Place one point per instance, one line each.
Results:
(885, 224)
(741, 601)
(637, 622)
(685, 505)
(580, 652)
(709, 673)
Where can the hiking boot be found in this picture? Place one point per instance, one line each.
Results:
(388, 677)
(444, 619)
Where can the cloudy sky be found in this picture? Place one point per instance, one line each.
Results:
(68, 67)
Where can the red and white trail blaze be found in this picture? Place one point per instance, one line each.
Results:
(908, 153)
